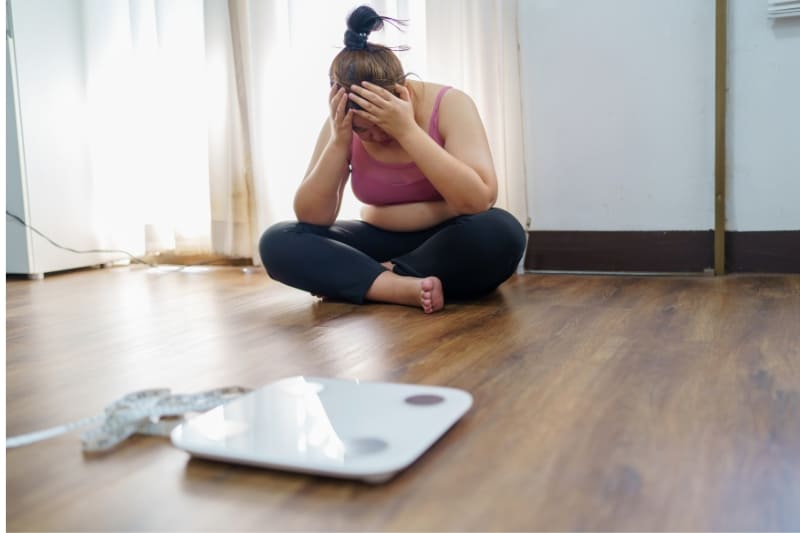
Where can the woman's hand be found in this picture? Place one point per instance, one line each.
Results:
(393, 115)
(341, 120)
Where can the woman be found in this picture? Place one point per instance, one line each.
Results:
(420, 163)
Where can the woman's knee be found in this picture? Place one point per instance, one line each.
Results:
(498, 232)
(275, 243)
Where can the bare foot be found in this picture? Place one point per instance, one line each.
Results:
(405, 290)
(431, 294)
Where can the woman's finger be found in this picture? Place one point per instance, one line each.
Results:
(366, 104)
(336, 96)
(340, 106)
(367, 94)
(378, 90)
(336, 101)
(402, 92)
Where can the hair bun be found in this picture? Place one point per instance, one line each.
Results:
(360, 23)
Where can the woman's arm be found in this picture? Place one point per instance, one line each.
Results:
(462, 171)
(319, 196)
(407, 217)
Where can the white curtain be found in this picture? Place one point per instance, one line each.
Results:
(169, 139)
(144, 72)
(232, 95)
(473, 45)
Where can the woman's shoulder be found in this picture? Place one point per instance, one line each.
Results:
(432, 91)
(455, 106)
(443, 104)
(450, 99)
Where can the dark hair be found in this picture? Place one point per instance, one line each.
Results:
(361, 60)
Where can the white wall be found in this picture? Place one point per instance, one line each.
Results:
(619, 114)
(764, 119)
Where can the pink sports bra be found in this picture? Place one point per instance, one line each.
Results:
(378, 183)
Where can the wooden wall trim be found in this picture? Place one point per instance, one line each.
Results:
(620, 251)
(662, 251)
(763, 251)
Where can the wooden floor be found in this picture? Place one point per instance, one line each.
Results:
(601, 403)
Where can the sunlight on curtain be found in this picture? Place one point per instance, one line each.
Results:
(144, 68)
(232, 190)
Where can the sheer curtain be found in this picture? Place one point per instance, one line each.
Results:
(144, 71)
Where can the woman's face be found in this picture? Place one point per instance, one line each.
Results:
(369, 132)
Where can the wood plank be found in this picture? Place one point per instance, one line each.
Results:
(601, 403)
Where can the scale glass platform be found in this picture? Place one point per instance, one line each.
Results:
(340, 428)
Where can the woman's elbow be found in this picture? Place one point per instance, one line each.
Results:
(312, 216)
(478, 204)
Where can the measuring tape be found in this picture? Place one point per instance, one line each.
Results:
(145, 412)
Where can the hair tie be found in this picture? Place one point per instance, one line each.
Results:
(355, 41)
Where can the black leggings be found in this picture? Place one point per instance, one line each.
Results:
(470, 254)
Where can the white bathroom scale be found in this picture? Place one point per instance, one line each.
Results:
(340, 428)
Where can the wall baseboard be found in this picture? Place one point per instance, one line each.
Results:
(661, 251)
(762, 251)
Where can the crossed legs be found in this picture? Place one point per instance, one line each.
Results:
(464, 257)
